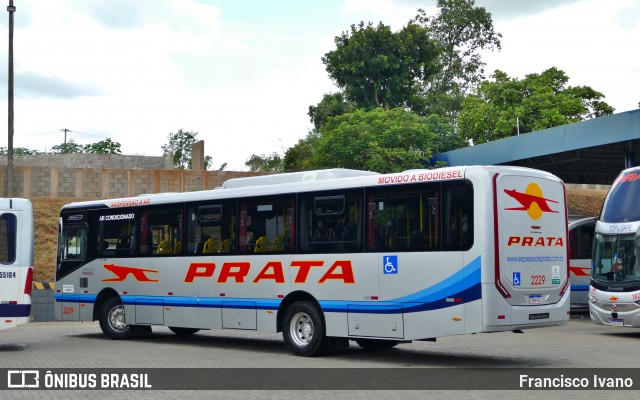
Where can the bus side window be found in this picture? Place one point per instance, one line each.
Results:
(266, 225)
(116, 233)
(458, 216)
(7, 238)
(161, 231)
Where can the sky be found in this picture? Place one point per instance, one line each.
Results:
(243, 73)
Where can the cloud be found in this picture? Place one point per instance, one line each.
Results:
(501, 9)
(178, 15)
(33, 85)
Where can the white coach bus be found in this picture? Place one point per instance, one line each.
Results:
(614, 293)
(324, 257)
(16, 261)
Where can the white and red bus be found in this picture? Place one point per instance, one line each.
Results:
(324, 257)
(581, 232)
(614, 293)
(16, 261)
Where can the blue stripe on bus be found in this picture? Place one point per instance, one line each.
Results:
(75, 298)
(14, 310)
(579, 288)
(462, 287)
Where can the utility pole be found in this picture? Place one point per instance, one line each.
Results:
(11, 9)
(65, 130)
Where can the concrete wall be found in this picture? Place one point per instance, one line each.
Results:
(42, 302)
(82, 160)
(97, 183)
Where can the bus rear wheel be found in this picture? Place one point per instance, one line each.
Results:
(183, 331)
(303, 330)
(376, 344)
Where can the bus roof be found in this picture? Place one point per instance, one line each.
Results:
(293, 177)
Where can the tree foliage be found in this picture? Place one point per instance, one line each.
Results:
(375, 67)
(106, 146)
(19, 151)
(300, 156)
(180, 144)
(265, 163)
(69, 147)
(508, 106)
(378, 140)
(462, 31)
(331, 105)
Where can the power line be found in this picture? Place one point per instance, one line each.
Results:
(65, 130)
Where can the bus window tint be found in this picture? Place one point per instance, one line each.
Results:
(73, 243)
(266, 225)
(331, 222)
(7, 238)
(116, 233)
(211, 229)
(458, 216)
(403, 219)
(161, 231)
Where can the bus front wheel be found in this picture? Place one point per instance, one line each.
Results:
(304, 331)
(112, 320)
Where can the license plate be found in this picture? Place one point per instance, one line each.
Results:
(617, 322)
(538, 316)
(535, 299)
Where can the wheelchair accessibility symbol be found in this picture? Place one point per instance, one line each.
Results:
(516, 279)
(390, 264)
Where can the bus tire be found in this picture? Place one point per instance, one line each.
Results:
(183, 331)
(376, 344)
(112, 320)
(303, 330)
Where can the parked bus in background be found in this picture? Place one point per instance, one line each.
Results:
(324, 257)
(581, 231)
(614, 294)
(16, 261)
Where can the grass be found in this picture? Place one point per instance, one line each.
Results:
(47, 211)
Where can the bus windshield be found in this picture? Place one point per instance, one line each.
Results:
(621, 202)
(614, 259)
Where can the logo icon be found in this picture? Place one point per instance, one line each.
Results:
(516, 279)
(121, 273)
(532, 201)
(390, 264)
(23, 379)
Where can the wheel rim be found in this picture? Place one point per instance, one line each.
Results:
(301, 329)
(116, 319)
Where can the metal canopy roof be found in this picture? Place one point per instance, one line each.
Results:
(592, 151)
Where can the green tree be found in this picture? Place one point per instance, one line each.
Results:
(462, 31)
(377, 140)
(507, 106)
(19, 151)
(69, 147)
(331, 105)
(180, 144)
(375, 67)
(106, 146)
(265, 163)
(300, 156)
